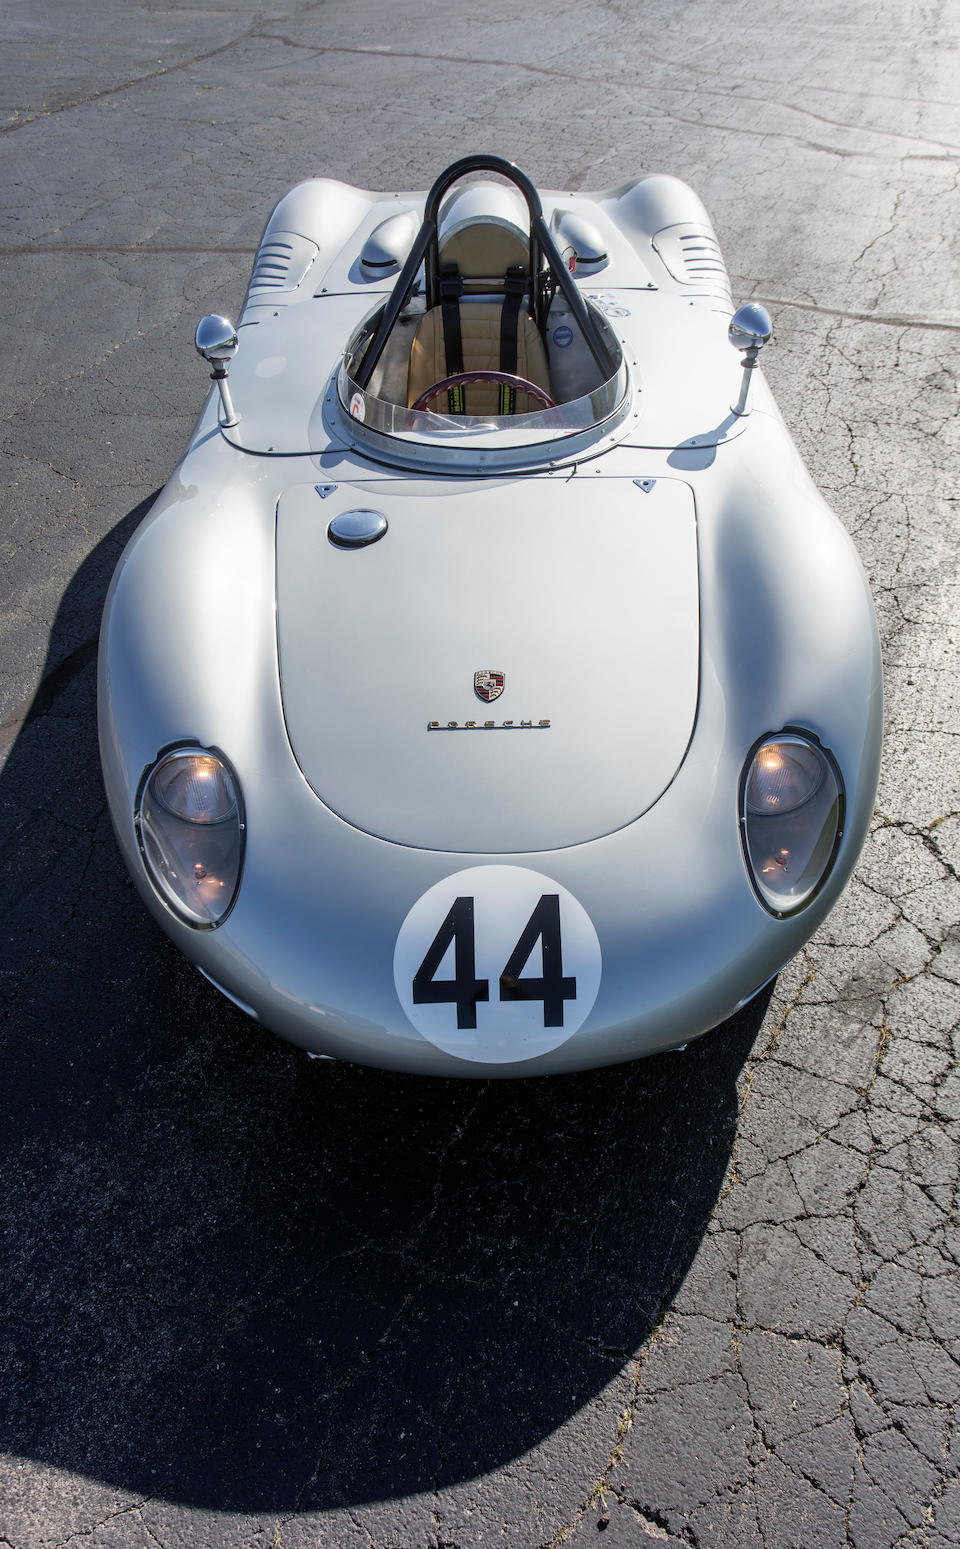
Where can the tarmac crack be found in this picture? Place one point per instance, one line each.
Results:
(137, 80)
(113, 1516)
(944, 151)
(602, 1486)
(95, 249)
(883, 319)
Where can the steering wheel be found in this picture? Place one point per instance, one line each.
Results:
(508, 378)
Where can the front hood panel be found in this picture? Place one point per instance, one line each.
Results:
(581, 591)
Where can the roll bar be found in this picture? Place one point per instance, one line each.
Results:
(426, 251)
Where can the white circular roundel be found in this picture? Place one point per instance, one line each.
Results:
(497, 964)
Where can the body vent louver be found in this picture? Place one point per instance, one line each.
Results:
(283, 259)
(691, 254)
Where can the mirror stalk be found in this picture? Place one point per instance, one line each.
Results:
(229, 416)
(216, 340)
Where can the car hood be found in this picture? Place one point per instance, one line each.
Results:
(580, 592)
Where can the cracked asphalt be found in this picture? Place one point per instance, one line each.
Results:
(706, 1300)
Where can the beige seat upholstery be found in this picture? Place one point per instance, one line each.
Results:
(481, 251)
(480, 333)
(484, 249)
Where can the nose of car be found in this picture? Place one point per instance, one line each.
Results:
(506, 668)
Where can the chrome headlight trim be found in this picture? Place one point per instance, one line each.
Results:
(825, 846)
(231, 827)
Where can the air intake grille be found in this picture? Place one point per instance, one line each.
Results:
(693, 257)
(282, 261)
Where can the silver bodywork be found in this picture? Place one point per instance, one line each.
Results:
(659, 592)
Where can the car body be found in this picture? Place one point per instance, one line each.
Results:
(503, 736)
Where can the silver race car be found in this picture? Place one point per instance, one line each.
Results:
(489, 692)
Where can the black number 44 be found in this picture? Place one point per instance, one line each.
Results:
(465, 990)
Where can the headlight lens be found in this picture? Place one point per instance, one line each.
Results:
(190, 825)
(791, 819)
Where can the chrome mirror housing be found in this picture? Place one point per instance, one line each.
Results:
(216, 340)
(750, 329)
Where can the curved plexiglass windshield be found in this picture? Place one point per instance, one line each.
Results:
(379, 407)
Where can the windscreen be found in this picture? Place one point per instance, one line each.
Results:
(589, 408)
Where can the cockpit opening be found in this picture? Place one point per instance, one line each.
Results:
(485, 327)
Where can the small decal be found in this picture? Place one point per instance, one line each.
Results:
(497, 964)
(358, 407)
(608, 304)
(569, 256)
(488, 685)
(562, 337)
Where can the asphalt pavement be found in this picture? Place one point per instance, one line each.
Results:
(709, 1300)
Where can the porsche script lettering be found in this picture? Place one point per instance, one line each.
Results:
(488, 725)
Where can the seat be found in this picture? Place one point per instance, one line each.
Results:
(480, 333)
(478, 259)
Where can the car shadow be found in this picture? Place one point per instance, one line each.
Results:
(238, 1279)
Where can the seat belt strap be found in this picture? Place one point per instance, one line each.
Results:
(451, 289)
(514, 286)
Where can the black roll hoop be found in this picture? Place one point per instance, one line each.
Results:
(426, 251)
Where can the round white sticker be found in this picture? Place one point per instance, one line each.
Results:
(357, 407)
(497, 964)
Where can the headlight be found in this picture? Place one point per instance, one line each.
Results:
(791, 819)
(190, 826)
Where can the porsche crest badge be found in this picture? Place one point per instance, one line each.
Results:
(488, 685)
